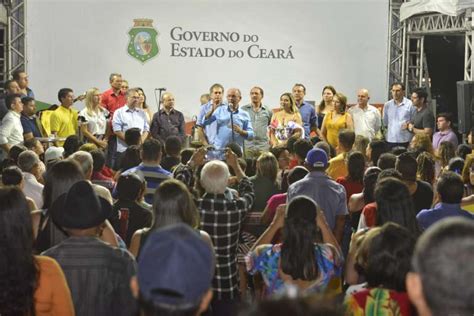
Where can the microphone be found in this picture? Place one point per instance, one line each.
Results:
(160, 89)
(231, 109)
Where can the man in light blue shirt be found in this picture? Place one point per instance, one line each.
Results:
(127, 117)
(397, 113)
(327, 193)
(233, 125)
(207, 133)
(308, 114)
(260, 116)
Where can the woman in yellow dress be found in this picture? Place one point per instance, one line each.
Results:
(335, 120)
(285, 123)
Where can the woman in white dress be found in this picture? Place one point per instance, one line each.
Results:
(95, 126)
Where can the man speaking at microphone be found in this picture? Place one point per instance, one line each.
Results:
(233, 126)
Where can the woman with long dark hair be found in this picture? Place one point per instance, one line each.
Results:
(285, 123)
(325, 105)
(143, 105)
(358, 200)
(395, 204)
(29, 285)
(173, 203)
(383, 259)
(309, 256)
(58, 180)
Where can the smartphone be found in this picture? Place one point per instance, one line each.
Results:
(215, 154)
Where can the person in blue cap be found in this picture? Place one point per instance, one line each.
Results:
(175, 273)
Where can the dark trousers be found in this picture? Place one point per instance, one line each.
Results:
(111, 150)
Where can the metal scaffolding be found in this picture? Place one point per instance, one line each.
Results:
(13, 42)
(407, 59)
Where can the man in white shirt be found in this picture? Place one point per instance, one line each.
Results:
(366, 117)
(11, 130)
(29, 163)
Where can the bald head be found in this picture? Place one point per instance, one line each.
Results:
(168, 101)
(363, 97)
(233, 97)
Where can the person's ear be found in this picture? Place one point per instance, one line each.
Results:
(415, 293)
(134, 286)
(206, 300)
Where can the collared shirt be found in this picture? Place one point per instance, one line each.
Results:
(11, 130)
(96, 122)
(211, 129)
(394, 116)
(111, 101)
(29, 93)
(224, 117)
(221, 218)
(64, 121)
(446, 136)
(97, 274)
(308, 115)
(327, 193)
(367, 122)
(164, 125)
(153, 175)
(260, 121)
(33, 189)
(126, 118)
(29, 125)
(428, 217)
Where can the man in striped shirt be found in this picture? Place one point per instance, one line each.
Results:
(150, 169)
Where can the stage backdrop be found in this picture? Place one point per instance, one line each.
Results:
(186, 46)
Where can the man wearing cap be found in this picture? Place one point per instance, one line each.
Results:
(97, 273)
(327, 193)
(53, 154)
(178, 282)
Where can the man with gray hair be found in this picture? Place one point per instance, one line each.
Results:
(221, 218)
(86, 162)
(441, 281)
(30, 164)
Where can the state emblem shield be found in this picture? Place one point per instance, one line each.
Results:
(143, 45)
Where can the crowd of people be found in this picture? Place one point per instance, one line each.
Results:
(326, 209)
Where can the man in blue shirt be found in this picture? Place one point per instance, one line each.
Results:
(207, 133)
(308, 114)
(327, 193)
(233, 125)
(397, 114)
(29, 119)
(450, 190)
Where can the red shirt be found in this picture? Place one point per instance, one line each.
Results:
(111, 101)
(350, 186)
(370, 212)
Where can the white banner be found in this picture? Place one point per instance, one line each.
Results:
(272, 44)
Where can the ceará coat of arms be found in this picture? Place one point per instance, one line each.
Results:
(143, 45)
